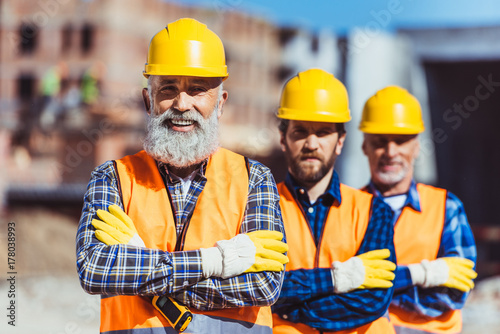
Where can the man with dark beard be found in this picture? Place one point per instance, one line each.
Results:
(339, 278)
(435, 247)
(184, 219)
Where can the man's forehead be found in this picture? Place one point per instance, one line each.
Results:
(177, 79)
(312, 125)
(390, 137)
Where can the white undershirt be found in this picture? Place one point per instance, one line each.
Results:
(396, 203)
(185, 183)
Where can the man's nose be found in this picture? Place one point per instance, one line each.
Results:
(183, 102)
(311, 143)
(391, 149)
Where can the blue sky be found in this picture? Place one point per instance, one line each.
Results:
(343, 15)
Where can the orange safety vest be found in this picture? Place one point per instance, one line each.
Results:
(218, 215)
(347, 222)
(417, 236)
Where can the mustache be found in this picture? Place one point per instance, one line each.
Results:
(313, 155)
(393, 161)
(387, 161)
(175, 115)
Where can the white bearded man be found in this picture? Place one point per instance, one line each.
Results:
(184, 220)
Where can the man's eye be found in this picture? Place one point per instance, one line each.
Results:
(198, 90)
(168, 89)
(323, 133)
(401, 141)
(299, 133)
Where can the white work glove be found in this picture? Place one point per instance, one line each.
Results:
(252, 252)
(452, 272)
(348, 275)
(366, 271)
(115, 227)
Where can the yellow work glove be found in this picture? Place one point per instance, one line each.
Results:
(252, 252)
(270, 251)
(461, 274)
(369, 270)
(115, 227)
(379, 273)
(452, 272)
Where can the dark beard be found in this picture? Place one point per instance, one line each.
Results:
(309, 175)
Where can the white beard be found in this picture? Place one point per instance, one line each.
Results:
(182, 149)
(390, 178)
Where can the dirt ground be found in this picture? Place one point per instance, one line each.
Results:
(49, 300)
(48, 297)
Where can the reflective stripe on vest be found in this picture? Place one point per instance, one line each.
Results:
(348, 223)
(202, 323)
(379, 326)
(406, 330)
(417, 236)
(217, 216)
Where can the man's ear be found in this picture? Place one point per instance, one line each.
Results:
(222, 101)
(145, 98)
(283, 141)
(417, 149)
(340, 144)
(363, 146)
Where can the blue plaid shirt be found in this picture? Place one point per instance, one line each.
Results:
(456, 240)
(307, 294)
(127, 270)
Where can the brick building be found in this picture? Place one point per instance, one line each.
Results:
(71, 80)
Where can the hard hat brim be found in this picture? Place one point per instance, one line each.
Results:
(313, 116)
(210, 72)
(401, 129)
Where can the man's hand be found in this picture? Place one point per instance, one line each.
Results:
(251, 252)
(270, 251)
(115, 227)
(452, 272)
(369, 270)
(379, 273)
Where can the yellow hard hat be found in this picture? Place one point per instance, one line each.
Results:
(186, 47)
(392, 110)
(314, 95)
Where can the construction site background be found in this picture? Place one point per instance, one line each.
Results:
(70, 99)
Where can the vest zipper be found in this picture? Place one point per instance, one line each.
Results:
(179, 245)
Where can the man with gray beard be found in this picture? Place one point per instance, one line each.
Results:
(184, 235)
(435, 247)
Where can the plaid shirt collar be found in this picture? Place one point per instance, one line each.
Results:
(332, 192)
(167, 174)
(413, 199)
